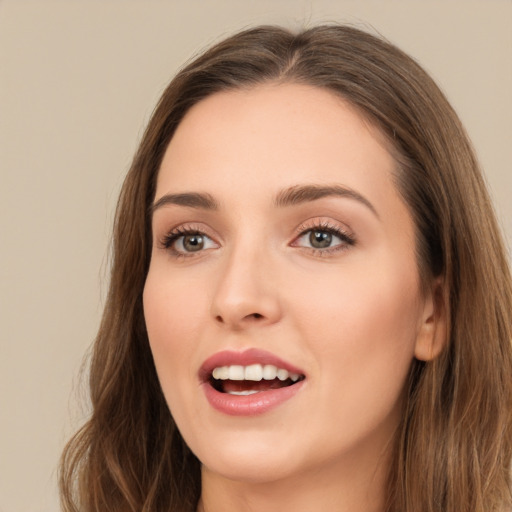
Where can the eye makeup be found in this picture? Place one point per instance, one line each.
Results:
(323, 237)
(319, 237)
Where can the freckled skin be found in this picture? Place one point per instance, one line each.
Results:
(351, 317)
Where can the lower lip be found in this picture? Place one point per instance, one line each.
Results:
(249, 405)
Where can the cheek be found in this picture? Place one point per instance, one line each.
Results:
(174, 323)
(173, 307)
(359, 305)
(362, 329)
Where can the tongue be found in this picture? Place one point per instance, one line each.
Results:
(250, 385)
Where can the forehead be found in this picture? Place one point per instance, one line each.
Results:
(274, 135)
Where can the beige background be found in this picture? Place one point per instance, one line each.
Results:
(78, 82)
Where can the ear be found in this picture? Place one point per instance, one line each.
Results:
(433, 331)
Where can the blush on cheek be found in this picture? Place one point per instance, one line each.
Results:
(170, 306)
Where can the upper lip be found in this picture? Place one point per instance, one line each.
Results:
(244, 358)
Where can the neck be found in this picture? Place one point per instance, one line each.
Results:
(352, 488)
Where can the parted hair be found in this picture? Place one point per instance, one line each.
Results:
(453, 447)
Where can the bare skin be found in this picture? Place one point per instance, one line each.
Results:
(247, 255)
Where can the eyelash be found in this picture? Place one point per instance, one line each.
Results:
(175, 234)
(347, 238)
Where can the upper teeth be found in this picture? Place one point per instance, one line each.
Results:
(253, 372)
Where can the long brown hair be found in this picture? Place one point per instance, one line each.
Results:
(453, 448)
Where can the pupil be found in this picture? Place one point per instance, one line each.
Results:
(193, 242)
(320, 239)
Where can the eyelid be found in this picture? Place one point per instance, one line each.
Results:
(324, 224)
(171, 235)
(336, 228)
(340, 230)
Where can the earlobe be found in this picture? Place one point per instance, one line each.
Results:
(433, 332)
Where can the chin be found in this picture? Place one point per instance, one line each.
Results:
(250, 471)
(250, 460)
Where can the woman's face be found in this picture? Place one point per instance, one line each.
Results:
(282, 245)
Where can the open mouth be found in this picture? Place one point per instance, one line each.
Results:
(248, 380)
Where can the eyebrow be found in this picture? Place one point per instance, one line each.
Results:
(299, 194)
(190, 199)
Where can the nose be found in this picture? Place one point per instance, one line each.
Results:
(246, 293)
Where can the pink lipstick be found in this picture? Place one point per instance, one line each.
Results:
(250, 382)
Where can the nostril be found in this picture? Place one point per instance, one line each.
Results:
(255, 316)
(238, 321)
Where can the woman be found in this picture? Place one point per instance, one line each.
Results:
(310, 302)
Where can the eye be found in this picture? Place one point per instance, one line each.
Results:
(324, 239)
(186, 242)
(320, 239)
(193, 243)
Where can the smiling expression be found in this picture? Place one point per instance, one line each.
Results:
(280, 243)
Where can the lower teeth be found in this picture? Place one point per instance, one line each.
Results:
(243, 393)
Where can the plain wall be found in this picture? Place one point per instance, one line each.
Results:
(78, 81)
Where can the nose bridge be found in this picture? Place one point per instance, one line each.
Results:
(245, 291)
